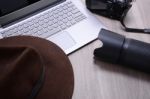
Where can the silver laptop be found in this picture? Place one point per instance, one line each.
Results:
(65, 22)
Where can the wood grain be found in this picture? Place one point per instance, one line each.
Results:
(98, 80)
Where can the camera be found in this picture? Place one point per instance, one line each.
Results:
(114, 9)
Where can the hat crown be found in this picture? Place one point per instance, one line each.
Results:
(43, 71)
(19, 71)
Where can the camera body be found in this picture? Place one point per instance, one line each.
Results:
(114, 9)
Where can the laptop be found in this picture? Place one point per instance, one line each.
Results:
(67, 23)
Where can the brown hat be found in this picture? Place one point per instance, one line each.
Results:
(34, 68)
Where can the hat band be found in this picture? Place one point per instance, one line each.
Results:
(38, 84)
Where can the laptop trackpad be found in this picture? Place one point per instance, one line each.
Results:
(63, 39)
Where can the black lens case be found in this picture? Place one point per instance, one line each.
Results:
(120, 50)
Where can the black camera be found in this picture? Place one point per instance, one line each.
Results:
(114, 9)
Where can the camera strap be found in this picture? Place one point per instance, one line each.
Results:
(146, 31)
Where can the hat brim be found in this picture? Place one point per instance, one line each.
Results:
(59, 78)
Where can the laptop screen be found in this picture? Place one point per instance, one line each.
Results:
(11, 10)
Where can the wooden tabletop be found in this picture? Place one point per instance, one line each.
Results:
(99, 80)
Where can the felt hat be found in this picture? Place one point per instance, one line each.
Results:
(34, 68)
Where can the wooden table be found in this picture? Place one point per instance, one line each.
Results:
(99, 80)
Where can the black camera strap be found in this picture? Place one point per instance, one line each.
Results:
(146, 31)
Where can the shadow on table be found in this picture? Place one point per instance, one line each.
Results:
(127, 71)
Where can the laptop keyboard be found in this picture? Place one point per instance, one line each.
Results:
(48, 23)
